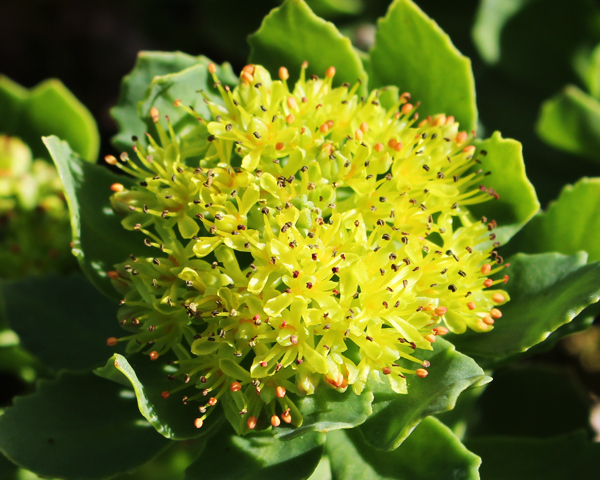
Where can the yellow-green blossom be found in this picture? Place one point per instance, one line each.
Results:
(34, 221)
(302, 236)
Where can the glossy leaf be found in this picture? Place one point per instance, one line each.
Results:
(292, 34)
(78, 426)
(518, 202)
(99, 240)
(133, 89)
(47, 109)
(170, 416)
(570, 121)
(547, 291)
(556, 458)
(431, 452)
(327, 410)
(502, 411)
(258, 456)
(570, 224)
(191, 86)
(412, 52)
(395, 416)
(64, 321)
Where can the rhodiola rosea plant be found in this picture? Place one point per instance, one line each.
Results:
(284, 249)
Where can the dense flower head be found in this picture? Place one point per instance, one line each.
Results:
(303, 238)
(34, 220)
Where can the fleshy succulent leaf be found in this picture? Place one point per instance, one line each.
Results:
(169, 416)
(78, 426)
(431, 451)
(58, 325)
(47, 109)
(413, 53)
(395, 416)
(547, 291)
(258, 456)
(99, 240)
(305, 35)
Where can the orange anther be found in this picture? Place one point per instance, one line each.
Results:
(112, 341)
(471, 305)
(212, 401)
(291, 101)
(279, 146)
(461, 137)
(304, 64)
(286, 416)
(440, 311)
(290, 118)
(324, 128)
(154, 115)
(392, 143)
(505, 279)
(329, 123)
(406, 108)
(364, 127)
(275, 421)
(112, 274)
(198, 423)
(379, 147)
(249, 69)
(330, 72)
(421, 372)
(440, 331)
(496, 313)
(283, 73)
(469, 149)
(386, 370)
(110, 159)
(398, 146)
(165, 394)
(177, 103)
(153, 355)
(488, 320)
(264, 364)
(117, 187)
(235, 386)
(280, 391)
(212, 68)
(485, 269)
(498, 298)
(422, 123)
(488, 282)
(252, 423)
(247, 77)
(430, 337)
(450, 120)
(358, 135)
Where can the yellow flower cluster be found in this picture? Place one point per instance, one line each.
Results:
(303, 236)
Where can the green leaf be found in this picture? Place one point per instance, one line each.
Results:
(536, 42)
(63, 321)
(99, 240)
(431, 452)
(518, 202)
(48, 109)
(78, 426)
(547, 291)
(8, 470)
(170, 416)
(327, 410)
(133, 89)
(510, 405)
(258, 456)
(292, 34)
(591, 72)
(395, 416)
(336, 8)
(412, 52)
(570, 121)
(556, 458)
(191, 86)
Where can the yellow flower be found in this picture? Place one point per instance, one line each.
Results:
(300, 237)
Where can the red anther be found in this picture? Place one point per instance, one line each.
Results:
(154, 355)
(165, 394)
(264, 364)
(386, 370)
(212, 401)
(112, 341)
(505, 278)
(235, 386)
(286, 416)
(252, 423)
